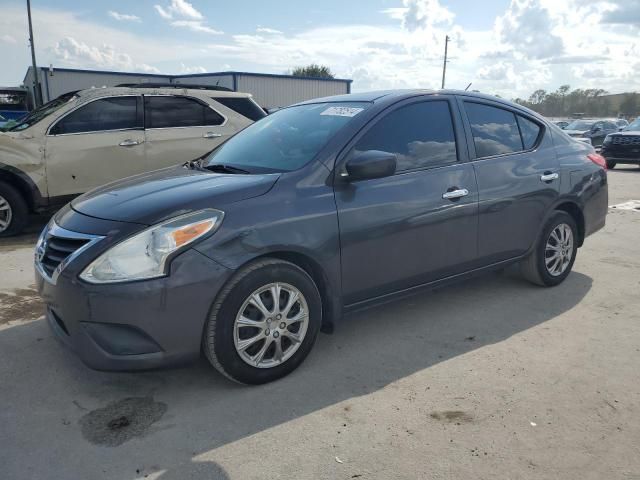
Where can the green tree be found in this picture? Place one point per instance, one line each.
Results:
(313, 70)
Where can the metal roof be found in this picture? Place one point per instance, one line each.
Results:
(192, 75)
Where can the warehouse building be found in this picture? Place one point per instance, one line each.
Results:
(270, 91)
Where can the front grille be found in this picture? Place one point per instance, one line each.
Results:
(625, 140)
(58, 249)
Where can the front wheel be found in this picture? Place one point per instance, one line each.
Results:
(555, 252)
(264, 322)
(14, 212)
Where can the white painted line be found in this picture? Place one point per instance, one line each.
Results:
(630, 205)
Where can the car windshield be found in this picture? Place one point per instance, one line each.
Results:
(633, 126)
(285, 140)
(41, 112)
(580, 125)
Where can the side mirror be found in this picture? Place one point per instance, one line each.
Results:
(596, 129)
(370, 164)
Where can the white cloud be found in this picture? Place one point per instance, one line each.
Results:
(270, 31)
(77, 53)
(195, 26)
(527, 26)
(182, 14)
(8, 39)
(189, 70)
(123, 17)
(421, 14)
(179, 9)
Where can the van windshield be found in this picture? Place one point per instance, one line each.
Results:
(285, 140)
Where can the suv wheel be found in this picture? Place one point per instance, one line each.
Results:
(555, 252)
(264, 322)
(611, 165)
(13, 210)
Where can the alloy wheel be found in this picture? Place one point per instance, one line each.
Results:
(271, 325)
(558, 251)
(6, 214)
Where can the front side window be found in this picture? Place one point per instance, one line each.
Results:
(287, 139)
(171, 112)
(113, 113)
(421, 135)
(495, 130)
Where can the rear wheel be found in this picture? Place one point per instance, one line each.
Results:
(264, 323)
(555, 252)
(14, 212)
(611, 165)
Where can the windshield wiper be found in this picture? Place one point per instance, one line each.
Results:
(220, 168)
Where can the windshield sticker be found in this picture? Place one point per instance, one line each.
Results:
(342, 111)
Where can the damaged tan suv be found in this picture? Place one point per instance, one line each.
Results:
(84, 139)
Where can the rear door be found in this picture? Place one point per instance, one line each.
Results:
(180, 128)
(517, 173)
(402, 231)
(96, 143)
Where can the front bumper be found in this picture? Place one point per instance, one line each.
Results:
(134, 325)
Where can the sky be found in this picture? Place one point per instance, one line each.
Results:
(504, 47)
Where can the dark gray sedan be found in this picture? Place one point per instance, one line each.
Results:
(318, 209)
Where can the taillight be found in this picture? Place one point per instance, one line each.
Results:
(598, 160)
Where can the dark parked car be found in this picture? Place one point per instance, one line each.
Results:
(318, 209)
(624, 146)
(594, 130)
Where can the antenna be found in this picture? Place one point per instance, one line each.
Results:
(470, 83)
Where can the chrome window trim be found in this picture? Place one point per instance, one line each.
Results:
(59, 119)
(199, 100)
(57, 231)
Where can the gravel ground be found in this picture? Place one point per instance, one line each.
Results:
(491, 378)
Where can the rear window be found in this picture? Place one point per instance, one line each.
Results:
(171, 112)
(244, 106)
(495, 130)
(530, 132)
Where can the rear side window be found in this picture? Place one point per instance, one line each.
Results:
(114, 113)
(168, 112)
(530, 132)
(244, 106)
(495, 130)
(420, 135)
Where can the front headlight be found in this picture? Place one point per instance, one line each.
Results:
(607, 140)
(145, 254)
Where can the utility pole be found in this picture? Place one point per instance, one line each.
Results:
(37, 93)
(444, 65)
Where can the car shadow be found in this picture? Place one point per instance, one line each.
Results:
(204, 411)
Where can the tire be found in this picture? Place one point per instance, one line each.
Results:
(222, 332)
(14, 212)
(534, 267)
(611, 165)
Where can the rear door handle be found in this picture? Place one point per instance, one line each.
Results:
(129, 142)
(548, 177)
(212, 135)
(453, 194)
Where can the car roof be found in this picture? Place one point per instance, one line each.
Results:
(107, 91)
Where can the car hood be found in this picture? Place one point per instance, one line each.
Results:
(628, 133)
(576, 132)
(156, 196)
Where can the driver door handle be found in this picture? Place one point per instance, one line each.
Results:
(452, 195)
(129, 142)
(548, 177)
(212, 135)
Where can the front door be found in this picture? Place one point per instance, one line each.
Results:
(418, 225)
(179, 129)
(96, 143)
(518, 178)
